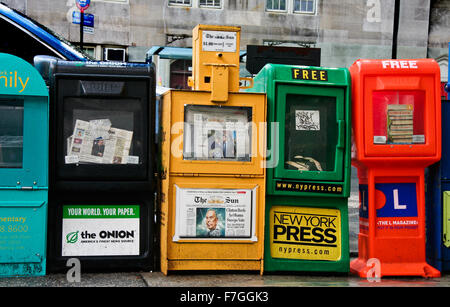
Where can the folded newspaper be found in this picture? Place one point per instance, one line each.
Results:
(96, 141)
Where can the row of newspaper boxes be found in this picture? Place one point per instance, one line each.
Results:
(234, 179)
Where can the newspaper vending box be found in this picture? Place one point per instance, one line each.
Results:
(213, 176)
(102, 177)
(23, 168)
(308, 167)
(397, 133)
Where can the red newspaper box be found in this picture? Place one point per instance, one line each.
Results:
(397, 134)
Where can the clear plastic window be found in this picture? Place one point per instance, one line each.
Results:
(311, 133)
(103, 131)
(217, 133)
(11, 133)
(398, 117)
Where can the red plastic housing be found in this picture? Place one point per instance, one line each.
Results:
(396, 121)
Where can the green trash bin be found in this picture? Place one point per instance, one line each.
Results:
(308, 167)
(23, 168)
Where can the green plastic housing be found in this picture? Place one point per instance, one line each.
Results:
(308, 167)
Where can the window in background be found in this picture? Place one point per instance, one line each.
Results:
(89, 50)
(114, 54)
(276, 5)
(180, 2)
(304, 6)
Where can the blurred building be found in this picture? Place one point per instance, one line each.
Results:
(344, 30)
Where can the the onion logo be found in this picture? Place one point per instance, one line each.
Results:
(72, 237)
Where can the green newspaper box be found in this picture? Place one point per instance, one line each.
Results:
(308, 167)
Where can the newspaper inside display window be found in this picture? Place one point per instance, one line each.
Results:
(217, 133)
(11, 133)
(398, 117)
(310, 133)
(215, 214)
(98, 132)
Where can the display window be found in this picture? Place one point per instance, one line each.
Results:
(102, 131)
(312, 132)
(11, 133)
(398, 117)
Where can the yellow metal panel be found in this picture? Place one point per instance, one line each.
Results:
(204, 59)
(219, 86)
(216, 249)
(165, 160)
(193, 253)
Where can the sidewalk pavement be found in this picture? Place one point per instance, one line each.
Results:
(196, 279)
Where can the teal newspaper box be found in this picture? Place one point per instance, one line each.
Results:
(23, 168)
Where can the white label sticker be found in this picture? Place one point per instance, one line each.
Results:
(219, 41)
(418, 138)
(307, 120)
(72, 159)
(379, 139)
(133, 159)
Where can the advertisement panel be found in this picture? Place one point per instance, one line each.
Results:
(305, 233)
(396, 209)
(100, 230)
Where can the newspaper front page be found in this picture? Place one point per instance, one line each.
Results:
(215, 213)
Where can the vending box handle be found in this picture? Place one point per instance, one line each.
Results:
(341, 134)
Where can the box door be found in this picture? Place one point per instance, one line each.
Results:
(311, 134)
(23, 142)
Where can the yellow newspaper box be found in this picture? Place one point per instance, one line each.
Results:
(212, 163)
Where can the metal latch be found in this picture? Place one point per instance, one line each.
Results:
(20, 187)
